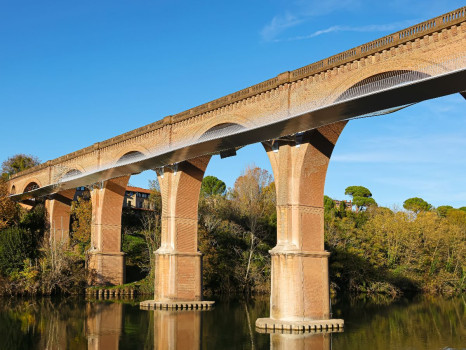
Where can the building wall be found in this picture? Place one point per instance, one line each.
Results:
(137, 198)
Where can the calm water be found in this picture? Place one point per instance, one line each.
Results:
(45, 323)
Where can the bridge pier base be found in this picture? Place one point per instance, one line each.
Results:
(105, 258)
(178, 276)
(107, 267)
(300, 283)
(178, 268)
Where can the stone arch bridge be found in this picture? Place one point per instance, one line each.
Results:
(298, 116)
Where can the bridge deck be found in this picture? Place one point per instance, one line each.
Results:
(324, 115)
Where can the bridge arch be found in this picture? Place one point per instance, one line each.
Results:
(367, 71)
(106, 237)
(220, 123)
(379, 78)
(72, 172)
(76, 169)
(13, 189)
(131, 152)
(32, 184)
(221, 129)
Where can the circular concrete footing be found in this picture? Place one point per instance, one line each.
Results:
(268, 325)
(176, 305)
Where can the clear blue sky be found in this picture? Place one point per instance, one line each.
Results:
(77, 72)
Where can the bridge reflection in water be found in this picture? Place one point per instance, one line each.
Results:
(179, 330)
(104, 325)
(301, 341)
(380, 323)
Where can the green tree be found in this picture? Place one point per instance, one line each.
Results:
(33, 220)
(462, 208)
(155, 197)
(416, 205)
(81, 217)
(362, 197)
(17, 163)
(443, 209)
(358, 191)
(8, 208)
(362, 203)
(211, 186)
(16, 246)
(329, 204)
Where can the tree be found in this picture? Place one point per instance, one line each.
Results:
(329, 204)
(252, 196)
(8, 209)
(81, 215)
(155, 197)
(361, 197)
(416, 205)
(34, 220)
(212, 186)
(462, 208)
(17, 163)
(362, 203)
(443, 209)
(358, 191)
(16, 245)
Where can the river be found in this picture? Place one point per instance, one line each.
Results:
(76, 323)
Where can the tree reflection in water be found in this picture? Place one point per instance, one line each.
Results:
(58, 323)
(424, 323)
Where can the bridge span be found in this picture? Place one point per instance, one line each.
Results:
(298, 116)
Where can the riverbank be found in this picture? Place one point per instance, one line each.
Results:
(373, 250)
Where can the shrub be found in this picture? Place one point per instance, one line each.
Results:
(16, 245)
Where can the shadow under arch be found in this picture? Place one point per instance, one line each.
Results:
(221, 130)
(70, 173)
(131, 157)
(31, 186)
(380, 81)
(73, 172)
(218, 132)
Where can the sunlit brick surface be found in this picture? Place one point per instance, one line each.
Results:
(300, 285)
(178, 262)
(299, 262)
(58, 210)
(106, 260)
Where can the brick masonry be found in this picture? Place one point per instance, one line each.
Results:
(178, 262)
(299, 262)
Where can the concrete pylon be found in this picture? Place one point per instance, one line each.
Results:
(58, 208)
(106, 259)
(300, 283)
(178, 262)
